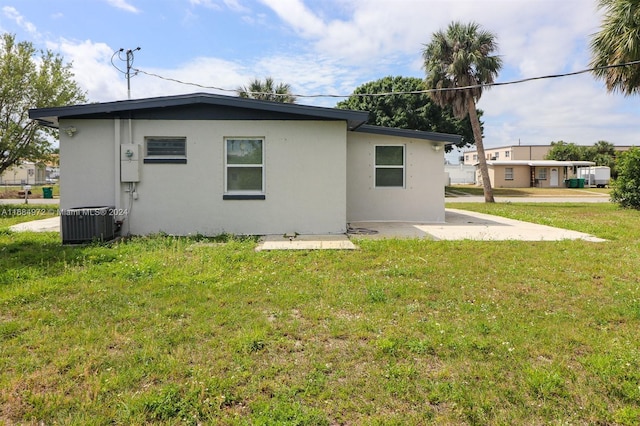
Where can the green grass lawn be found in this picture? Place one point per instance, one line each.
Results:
(194, 331)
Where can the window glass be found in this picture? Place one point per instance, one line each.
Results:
(244, 165)
(244, 151)
(542, 173)
(508, 173)
(389, 155)
(244, 179)
(389, 166)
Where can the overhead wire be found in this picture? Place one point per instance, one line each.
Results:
(411, 92)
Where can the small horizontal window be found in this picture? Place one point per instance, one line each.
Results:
(165, 150)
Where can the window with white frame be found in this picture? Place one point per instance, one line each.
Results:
(160, 149)
(389, 166)
(507, 154)
(508, 173)
(497, 155)
(542, 173)
(244, 168)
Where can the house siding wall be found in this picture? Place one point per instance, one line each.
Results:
(521, 177)
(87, 173)
(305, 172)
(422, 199)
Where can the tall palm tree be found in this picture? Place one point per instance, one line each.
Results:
(267, 90)
(617, 42)
(460, 60)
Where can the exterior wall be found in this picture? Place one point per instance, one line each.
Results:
(422, 199)
(530, 152)
(24, 174)
(522, 176)
(86, 164)
(514, 152)
(460, 173)
(305, 172)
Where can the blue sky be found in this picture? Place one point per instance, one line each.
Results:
(331, 47)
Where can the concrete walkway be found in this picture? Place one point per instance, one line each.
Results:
(31, 201)
(459, 225)
(584, 197)
(51, 224)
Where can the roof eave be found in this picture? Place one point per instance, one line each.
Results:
(443, 138)
(50, 116)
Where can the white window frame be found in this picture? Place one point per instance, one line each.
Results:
(507, 154)
(508, 173)
(542, 173)
(165, 158)
(240, 194)
(403, 167)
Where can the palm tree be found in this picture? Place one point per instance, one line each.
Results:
(267, 90)
(618, 42)
(459, 61)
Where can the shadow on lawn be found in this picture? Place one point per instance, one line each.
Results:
(27, 255)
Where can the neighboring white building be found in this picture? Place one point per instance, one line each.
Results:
(26, 173)
(210, 164)
(460, 174)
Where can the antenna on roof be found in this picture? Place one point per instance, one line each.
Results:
(129, 60)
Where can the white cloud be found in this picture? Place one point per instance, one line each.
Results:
(92, 68)
(124, 5)
(205, 3)
(236, 6)
(13, 14)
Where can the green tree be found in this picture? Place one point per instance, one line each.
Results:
(603, 153)
(414, 111)
(267, 90)
(459, 62)
(566, 151)
(618, 42)
(27, 81)
(626, 187)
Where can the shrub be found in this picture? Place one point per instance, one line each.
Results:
(626, 188)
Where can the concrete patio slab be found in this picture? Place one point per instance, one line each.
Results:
(459, 225)
(305, 242)
(466, 225)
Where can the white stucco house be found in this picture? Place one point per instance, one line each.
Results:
(211, 164)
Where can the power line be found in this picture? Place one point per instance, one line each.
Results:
(413, 92)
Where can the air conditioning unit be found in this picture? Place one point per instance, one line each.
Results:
(86, 224)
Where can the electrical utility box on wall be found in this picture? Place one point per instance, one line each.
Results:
(130, 163)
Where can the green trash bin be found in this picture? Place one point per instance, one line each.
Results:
(573, 183)
(47, 192)
(580, 183)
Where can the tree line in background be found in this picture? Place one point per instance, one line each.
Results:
(602, 153)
